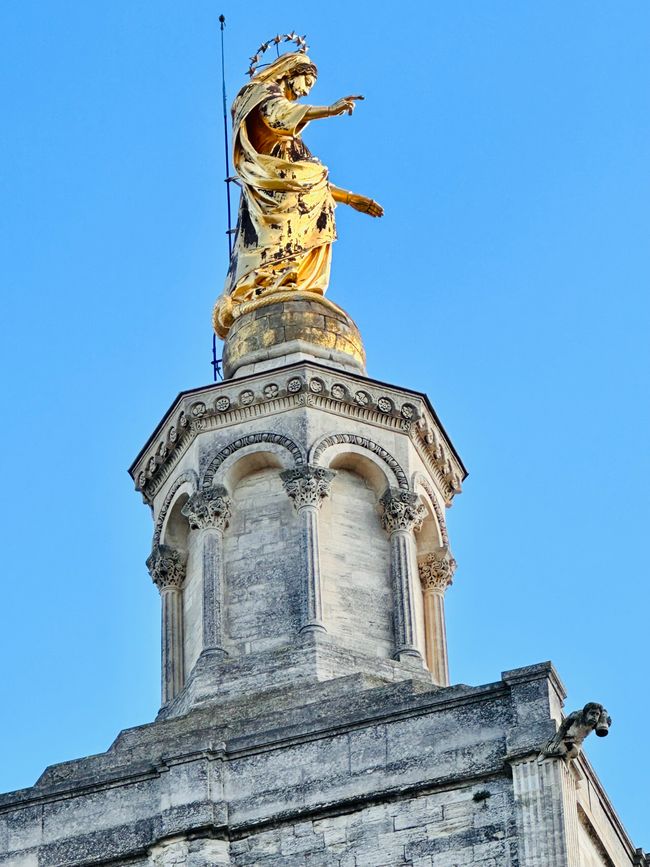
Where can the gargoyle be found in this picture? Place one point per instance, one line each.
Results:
(567, 743)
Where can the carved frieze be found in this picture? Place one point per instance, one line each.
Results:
(166, 566)
(402, 510)
(210, 507)
(228, 404)
(307, 485)
(437, 569)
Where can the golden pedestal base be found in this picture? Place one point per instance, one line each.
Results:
(289, 326)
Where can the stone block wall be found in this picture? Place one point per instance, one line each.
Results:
(262, 566)
(445, 829)
(355, 567)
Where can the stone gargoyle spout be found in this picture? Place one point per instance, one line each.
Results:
(567, 743)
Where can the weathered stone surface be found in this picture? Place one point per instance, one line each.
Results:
(352, 771)
(289, 732)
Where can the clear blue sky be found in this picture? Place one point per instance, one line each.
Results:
(509, 144)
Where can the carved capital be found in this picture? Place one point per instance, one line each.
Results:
(437, 569)
(208, 508)
(307, 486)
(167, 567)
(402, 510)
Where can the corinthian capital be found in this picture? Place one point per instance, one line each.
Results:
(402, 510)
(307, 486)
(167, 567)
(208, 508)
(437, 569)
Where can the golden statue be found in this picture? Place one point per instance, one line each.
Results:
(285, 228)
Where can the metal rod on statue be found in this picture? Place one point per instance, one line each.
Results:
(222, 22)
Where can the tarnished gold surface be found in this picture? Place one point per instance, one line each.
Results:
(268, 330)
(285, 227)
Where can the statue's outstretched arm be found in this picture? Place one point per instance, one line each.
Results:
(359, 203)
(345, 105)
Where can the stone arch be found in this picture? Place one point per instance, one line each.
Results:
(419, 479)
(363, 443)
(189, 477)
(175, 531)
(207, 480)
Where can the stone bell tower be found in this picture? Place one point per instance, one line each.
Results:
(299, 516)
(302, 558)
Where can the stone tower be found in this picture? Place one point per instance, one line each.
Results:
(302, 557)
(299, 517)
(307, 720)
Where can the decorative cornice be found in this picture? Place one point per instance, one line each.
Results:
(336, 392)
(437, 569)
(307, 486)
(166, 566)
(208, 508)
(402, 510)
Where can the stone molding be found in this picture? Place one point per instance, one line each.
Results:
(437, 569)
(188, 477)
(208, 508)
(402, 510)
(364, 443)
(215, 462)
(308, 485)
(166, 566)
(264, 394)
(419, 479)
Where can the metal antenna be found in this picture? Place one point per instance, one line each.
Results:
(222, 22)
(216, 363)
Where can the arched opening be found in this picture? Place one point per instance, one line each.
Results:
(355, 557)
(429, 543)
(175, 533)
(262, 557)
(175, 530)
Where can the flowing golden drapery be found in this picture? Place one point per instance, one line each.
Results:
(286, 214)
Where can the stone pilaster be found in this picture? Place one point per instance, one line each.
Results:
(436, 573)
(403, 514)
(547, 812)
(208, 513)
(167, 569)
(308, 486)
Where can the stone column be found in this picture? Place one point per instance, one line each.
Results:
(403, 514)
(167, 569)
(208, 513)
(547, 812)
(436, 574)
(308, 486)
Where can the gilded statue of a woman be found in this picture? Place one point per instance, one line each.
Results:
(285, 228)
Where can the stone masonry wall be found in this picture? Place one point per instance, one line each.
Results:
(263, 566)
(445, 829)
(355, 568)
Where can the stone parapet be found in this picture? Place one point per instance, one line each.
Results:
(353, 771)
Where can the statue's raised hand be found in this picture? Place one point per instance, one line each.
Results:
(345, 105)
(365, 205)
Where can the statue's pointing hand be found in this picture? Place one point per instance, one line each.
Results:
(366, 205)
(345, 105)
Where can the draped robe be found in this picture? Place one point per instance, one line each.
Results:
(286, 214)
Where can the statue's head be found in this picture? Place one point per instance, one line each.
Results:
(288, 68)
(300, 79)
(596, 716)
